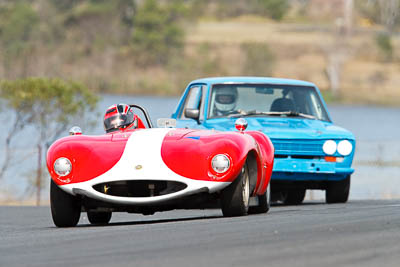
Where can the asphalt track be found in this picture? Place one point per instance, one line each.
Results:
(359, 233)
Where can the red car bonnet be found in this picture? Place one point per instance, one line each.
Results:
(199, 147)
(90, 156)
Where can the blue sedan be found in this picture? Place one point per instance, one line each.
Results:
(311, 152)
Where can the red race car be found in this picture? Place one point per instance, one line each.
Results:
(138, 169)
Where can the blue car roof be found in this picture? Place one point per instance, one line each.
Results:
(245, 79)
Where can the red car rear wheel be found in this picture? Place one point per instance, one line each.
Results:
(99, 217)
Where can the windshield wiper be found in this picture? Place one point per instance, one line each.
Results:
(291, 114)
(243, 113)
(271, 113)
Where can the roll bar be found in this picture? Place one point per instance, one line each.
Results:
(145, 113)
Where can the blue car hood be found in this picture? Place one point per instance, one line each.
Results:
(284, 128)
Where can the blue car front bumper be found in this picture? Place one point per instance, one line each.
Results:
(299, 169)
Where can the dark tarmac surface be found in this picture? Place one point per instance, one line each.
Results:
(359, 233)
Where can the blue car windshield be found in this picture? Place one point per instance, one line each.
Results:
(240, 100)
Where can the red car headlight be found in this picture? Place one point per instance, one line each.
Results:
(220, 163)
(62, 166)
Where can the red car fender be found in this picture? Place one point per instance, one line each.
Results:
(265, 158)
(86, 164)
(199, 147)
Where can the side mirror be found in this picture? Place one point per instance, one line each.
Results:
(192, 113)
(75, 130)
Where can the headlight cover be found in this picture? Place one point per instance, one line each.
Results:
(345, 148)
(329, 147)
(62, 166)
(220, 163)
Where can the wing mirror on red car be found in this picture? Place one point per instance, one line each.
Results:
(75, 130)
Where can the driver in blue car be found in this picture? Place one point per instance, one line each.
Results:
(225, 100)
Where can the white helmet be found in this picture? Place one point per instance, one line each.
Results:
(225, 98)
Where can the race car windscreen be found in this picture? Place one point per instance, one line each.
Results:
(118, 120)
(236, 100)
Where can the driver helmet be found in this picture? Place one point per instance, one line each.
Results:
(226, 98)
(118, 117)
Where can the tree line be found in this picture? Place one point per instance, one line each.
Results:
(151, 31)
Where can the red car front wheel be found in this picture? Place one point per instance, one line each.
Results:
(235, 198)
(65, 208)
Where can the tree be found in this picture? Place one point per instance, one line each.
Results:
(338, 52)
(385, 12)
(384, 43)
(18, 25)
(389, 15)
(19, 121)
(50, 106)
(275, 9)
(65, 4)
(157, 34)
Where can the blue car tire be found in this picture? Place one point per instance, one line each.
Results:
(338, 191)
(294, 196)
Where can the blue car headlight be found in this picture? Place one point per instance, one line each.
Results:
(329, 147)
(344, 148)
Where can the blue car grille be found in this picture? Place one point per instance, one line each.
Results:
(298, 147)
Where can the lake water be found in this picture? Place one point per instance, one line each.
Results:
(377, 158)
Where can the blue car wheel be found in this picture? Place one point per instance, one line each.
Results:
(294, 196)
(338, 191)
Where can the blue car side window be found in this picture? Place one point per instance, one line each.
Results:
(193, 99)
